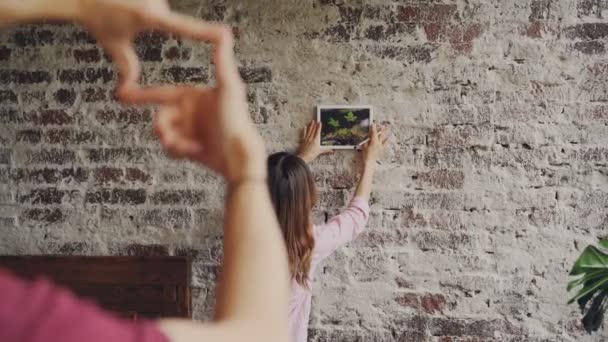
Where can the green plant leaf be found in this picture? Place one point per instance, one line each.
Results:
(587, 278)
(350, 117)
(592, 320)
(589, 290)
(590, 279)
(591, 258)
(343, 132)
(334, 123)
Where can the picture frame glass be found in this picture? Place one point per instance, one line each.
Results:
(344, 127)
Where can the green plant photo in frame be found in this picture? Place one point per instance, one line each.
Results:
(344, 127)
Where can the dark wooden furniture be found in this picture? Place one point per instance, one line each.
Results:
(133, 287)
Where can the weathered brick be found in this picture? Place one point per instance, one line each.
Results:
(73, 248)
(87, 75)
(409, 300)
(404, 283)
(189, 197)
(45, 196)
(588, 31)
(167, 218)
(444, 326)
(32, 136)
(592, 47)
(5, 53)
(149, 53)
(151, 38)
(42, 215)
(256, 74)
(53, 117)
(108, 175)
(49, 176)
(428, 303)
(461, 37)
(382, 238)
(51, 156)
(88, 55)
(5, 155)
(409, 54)
(65, 97)
(591, 7)
(137, 175)
(24, 77)
(124, 116)
(81, 37)
(343, 335)
(535, 29)
(427, 12)
(116, 196)
(433, 303)
(457, 136)
(33, 37)
(69, 136)
(140, 250)
(94, 95)
(437, 240)
(441, 179)
(8, 97)
(177, 74)
(115, 155)
(175, 53)
(331, 199)
(540, 9)
(444, 158)
(391, 32)
(7, 222)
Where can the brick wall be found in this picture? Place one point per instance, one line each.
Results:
(495, 180)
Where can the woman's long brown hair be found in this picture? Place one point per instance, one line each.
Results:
(293, 192)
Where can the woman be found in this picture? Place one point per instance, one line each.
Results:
(293, 193)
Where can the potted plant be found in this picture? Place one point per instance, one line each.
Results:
(591, 281)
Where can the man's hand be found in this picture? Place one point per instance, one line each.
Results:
(210, 125)
(310, 146)
(115, 23)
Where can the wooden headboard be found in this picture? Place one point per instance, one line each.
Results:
(133, 287)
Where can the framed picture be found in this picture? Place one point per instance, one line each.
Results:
(344, 127)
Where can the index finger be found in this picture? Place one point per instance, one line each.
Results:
(226, 69)
(187, 26)
(218, 34)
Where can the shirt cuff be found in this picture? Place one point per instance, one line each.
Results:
(360, 203)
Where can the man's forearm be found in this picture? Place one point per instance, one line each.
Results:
(254, 284)
(19, 11)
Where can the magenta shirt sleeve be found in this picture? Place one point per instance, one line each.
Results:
(341, 229)
(40, 312)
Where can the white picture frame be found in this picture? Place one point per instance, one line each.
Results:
(325, 111)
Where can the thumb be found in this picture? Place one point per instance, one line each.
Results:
(124, 56)
(372, 133)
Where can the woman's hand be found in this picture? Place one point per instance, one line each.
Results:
(310, 146)
(374, 148)
(210, 125)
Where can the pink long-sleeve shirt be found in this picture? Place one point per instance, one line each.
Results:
(338, 231)
(41, 312)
